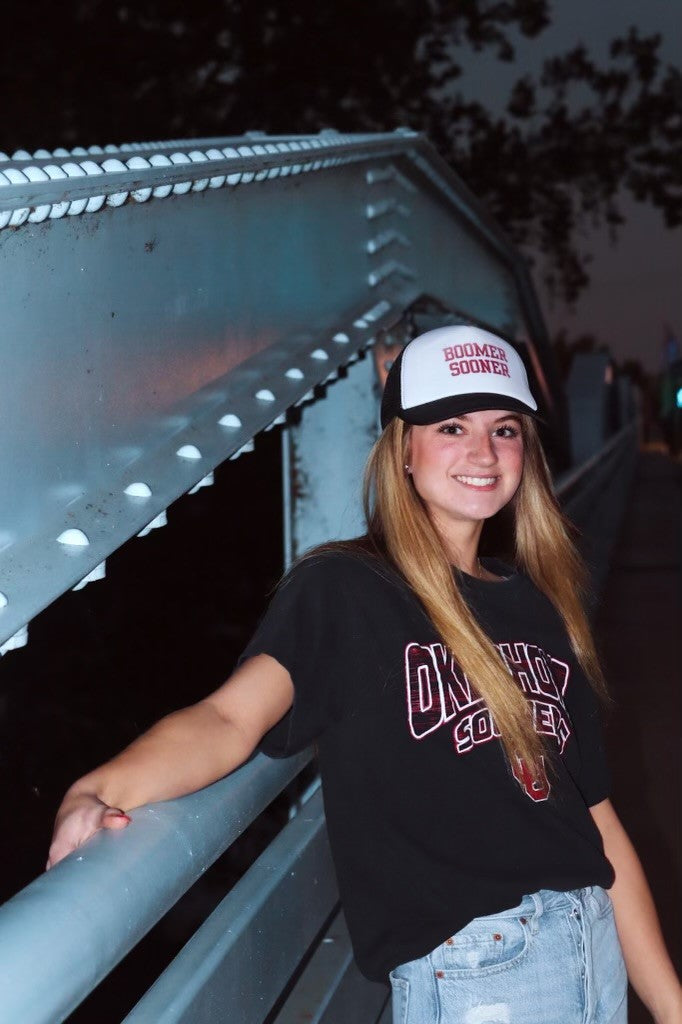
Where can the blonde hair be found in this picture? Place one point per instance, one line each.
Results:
(401, 530)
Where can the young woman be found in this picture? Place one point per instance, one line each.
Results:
(453, 702)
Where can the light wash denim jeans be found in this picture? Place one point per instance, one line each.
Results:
(553, 959)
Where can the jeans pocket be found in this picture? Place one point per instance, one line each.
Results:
(602, 901)
(485, 946)
(400, 998)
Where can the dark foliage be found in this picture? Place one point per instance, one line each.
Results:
(566, 149)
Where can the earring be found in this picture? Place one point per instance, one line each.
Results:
(407, 468)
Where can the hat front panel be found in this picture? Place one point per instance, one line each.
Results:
(458, 361)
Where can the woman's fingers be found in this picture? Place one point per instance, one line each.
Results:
(80, 823)
(61, 847)
(115, 818)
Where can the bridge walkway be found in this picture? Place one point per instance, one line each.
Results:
(638, 629)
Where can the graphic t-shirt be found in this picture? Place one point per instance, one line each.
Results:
(427, 824)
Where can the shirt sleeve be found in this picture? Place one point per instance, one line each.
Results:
(593, 776)
(301, 629)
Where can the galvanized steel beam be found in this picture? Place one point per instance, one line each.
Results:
(36, 189)
(588, 393)
(55, 548)
(331, 989)
(594, 497)
(329, 448)
(139, 280)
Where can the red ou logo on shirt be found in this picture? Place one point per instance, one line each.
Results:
(537, 788)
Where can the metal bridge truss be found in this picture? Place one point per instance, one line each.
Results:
(162, 304)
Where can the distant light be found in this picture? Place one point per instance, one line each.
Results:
(678, 398)
(608, 374)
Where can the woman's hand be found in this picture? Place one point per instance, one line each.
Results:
(78, 818)
(184, 752)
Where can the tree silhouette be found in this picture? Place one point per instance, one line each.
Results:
(569, 145)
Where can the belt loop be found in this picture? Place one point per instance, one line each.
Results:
(589, 899)
(538, 910)
(575, 898)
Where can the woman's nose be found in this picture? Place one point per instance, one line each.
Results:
(482, 449)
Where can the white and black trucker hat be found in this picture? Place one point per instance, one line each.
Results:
(454, 370)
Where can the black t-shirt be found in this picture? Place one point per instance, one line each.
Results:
(428, 826)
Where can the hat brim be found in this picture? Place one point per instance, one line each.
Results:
(459, 405)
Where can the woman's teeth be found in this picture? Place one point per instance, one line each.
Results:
(477, 481)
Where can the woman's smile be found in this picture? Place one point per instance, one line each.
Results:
(480, 483)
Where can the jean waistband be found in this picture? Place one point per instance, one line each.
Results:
(546, 900)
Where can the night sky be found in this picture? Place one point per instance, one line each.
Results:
(635, 285)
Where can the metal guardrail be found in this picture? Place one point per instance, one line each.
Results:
(78, 920)
(236, 965)
(593, 496)
(567, 481)
(69, 928)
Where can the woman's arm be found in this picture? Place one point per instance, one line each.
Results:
(183, 752)
(649, 967)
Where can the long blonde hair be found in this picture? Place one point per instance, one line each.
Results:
(400, 529)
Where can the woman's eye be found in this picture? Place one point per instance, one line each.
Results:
(455, 429)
